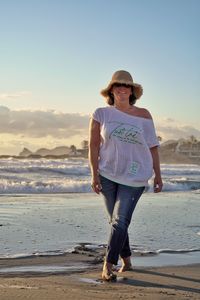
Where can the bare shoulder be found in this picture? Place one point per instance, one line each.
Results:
(143, 113)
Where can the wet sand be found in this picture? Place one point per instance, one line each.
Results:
(78, 276)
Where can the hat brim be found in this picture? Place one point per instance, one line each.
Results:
(137, 89)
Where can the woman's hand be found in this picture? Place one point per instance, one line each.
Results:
(96, 184)
(158, 184)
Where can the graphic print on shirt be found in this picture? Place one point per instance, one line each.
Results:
(134, 167)
(125, 132)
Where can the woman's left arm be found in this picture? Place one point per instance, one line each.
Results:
(156, 166)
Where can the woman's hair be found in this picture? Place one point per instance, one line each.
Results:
(110, 99)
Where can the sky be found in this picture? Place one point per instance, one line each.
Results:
(56, 56)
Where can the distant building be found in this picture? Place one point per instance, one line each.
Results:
(188, 147)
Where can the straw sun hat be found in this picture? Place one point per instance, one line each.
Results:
(126, 78)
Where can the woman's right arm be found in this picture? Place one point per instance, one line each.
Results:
(94, 145)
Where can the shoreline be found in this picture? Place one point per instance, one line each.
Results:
(94, 255)
(84, 259)
(87, 259)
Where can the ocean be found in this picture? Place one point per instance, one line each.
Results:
(47, 208)
(44, 176)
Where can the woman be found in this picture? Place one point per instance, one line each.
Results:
(123, 154)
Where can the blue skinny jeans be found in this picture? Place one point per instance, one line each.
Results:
(120, 201)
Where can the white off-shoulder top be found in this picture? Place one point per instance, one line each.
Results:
(126, 140)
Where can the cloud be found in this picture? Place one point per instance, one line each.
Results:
(172, 129)
(39, 123)
(42, 123)
(5, 96)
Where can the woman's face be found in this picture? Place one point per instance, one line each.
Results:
(121, 92)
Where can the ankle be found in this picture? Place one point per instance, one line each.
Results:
(107, 266)
(126, 261)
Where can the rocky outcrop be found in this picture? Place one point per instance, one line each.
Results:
(63, 150)
(42, 152)
(25, 152)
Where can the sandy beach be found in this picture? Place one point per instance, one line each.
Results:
(78, 276)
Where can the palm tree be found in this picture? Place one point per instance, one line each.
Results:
(192, 139)
(73, 149)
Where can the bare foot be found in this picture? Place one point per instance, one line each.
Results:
(126, 264)
(107, 273)
(125, 268)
